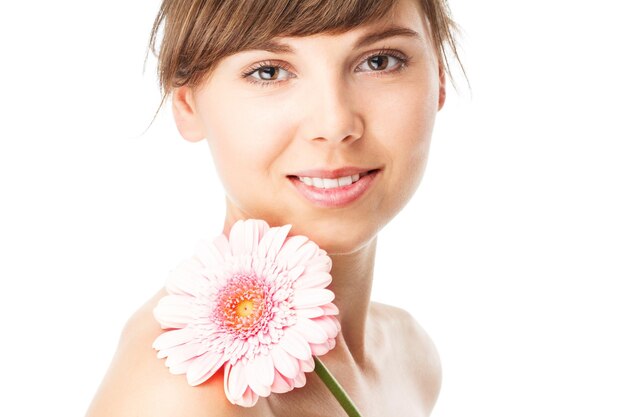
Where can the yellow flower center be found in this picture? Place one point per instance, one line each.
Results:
(245, 308)
(241, 304)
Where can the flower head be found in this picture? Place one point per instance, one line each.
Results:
(255, 303)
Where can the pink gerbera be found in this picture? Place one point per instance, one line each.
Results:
(255, 303)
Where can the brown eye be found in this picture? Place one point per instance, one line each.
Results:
(378, 62)
(384, 62)
(271, 72)
(267, 73)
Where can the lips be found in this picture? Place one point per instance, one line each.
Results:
(322, 187)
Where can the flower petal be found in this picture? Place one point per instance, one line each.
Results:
(237, 239)
(248, 399)
(320, 349)
(310, 330)
(330, 309)
(183, 353)
(299, 380)
(181, 368)
(173, 311)
(173, 338)
(185, 278)
(237, 382)
(321, 263)
(294, 344)
(254, 230)
(227, 368)
(284, 362)
(310, 313)
(272, 241)
(264, 368)
(331, 343)
(208, 254)
(330, 324)
(303, 254)
(221, 248)
(306, 298)
(307, 365)
(281, 383)
(289, 249)
(295, 273)
(203, 367)
(313, 280)
(255, 376)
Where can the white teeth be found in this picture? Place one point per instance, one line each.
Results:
(330, 182)
(318, 182)
(346, 180)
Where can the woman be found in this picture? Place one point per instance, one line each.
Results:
(319, 115)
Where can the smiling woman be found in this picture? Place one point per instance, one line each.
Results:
(318, 115)
(322, 112)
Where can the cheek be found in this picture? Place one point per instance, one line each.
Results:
(244, 139)
(409, 124)
(404, 134)
(414, 142)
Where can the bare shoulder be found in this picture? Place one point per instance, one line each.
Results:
(138, 384)
(414, 346)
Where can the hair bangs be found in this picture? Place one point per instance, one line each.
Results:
(209, 31)
(198, 34)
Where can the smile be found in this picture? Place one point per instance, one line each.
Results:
(334, 188)
(330, 182)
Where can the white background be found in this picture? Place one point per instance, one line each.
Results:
(511, 254)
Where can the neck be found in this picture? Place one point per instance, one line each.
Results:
(352, 284)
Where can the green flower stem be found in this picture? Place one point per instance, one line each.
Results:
(335, 388)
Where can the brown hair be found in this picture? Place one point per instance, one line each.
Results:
(197, 34)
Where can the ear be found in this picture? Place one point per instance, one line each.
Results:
(442, 86)
(187, 119)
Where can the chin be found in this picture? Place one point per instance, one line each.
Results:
(337, 239)
(336, 234)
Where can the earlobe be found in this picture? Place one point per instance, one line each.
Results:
(442, 87)
(186, 117)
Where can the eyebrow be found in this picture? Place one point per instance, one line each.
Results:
(367, 39)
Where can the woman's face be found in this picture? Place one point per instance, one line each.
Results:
(332, 109)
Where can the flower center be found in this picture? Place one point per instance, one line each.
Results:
(245, 308)
(241, 304)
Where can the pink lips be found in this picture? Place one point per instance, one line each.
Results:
(339, 196)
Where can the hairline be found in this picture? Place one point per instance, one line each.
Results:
(366, 39)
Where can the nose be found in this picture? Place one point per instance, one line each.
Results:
(332, 113)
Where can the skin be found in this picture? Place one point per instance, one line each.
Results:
(325, 113)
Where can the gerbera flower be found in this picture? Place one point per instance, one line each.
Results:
(254, 303)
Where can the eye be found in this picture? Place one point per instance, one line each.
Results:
(380, 61)
(267, 71)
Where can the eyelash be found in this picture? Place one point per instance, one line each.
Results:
(402, 59)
